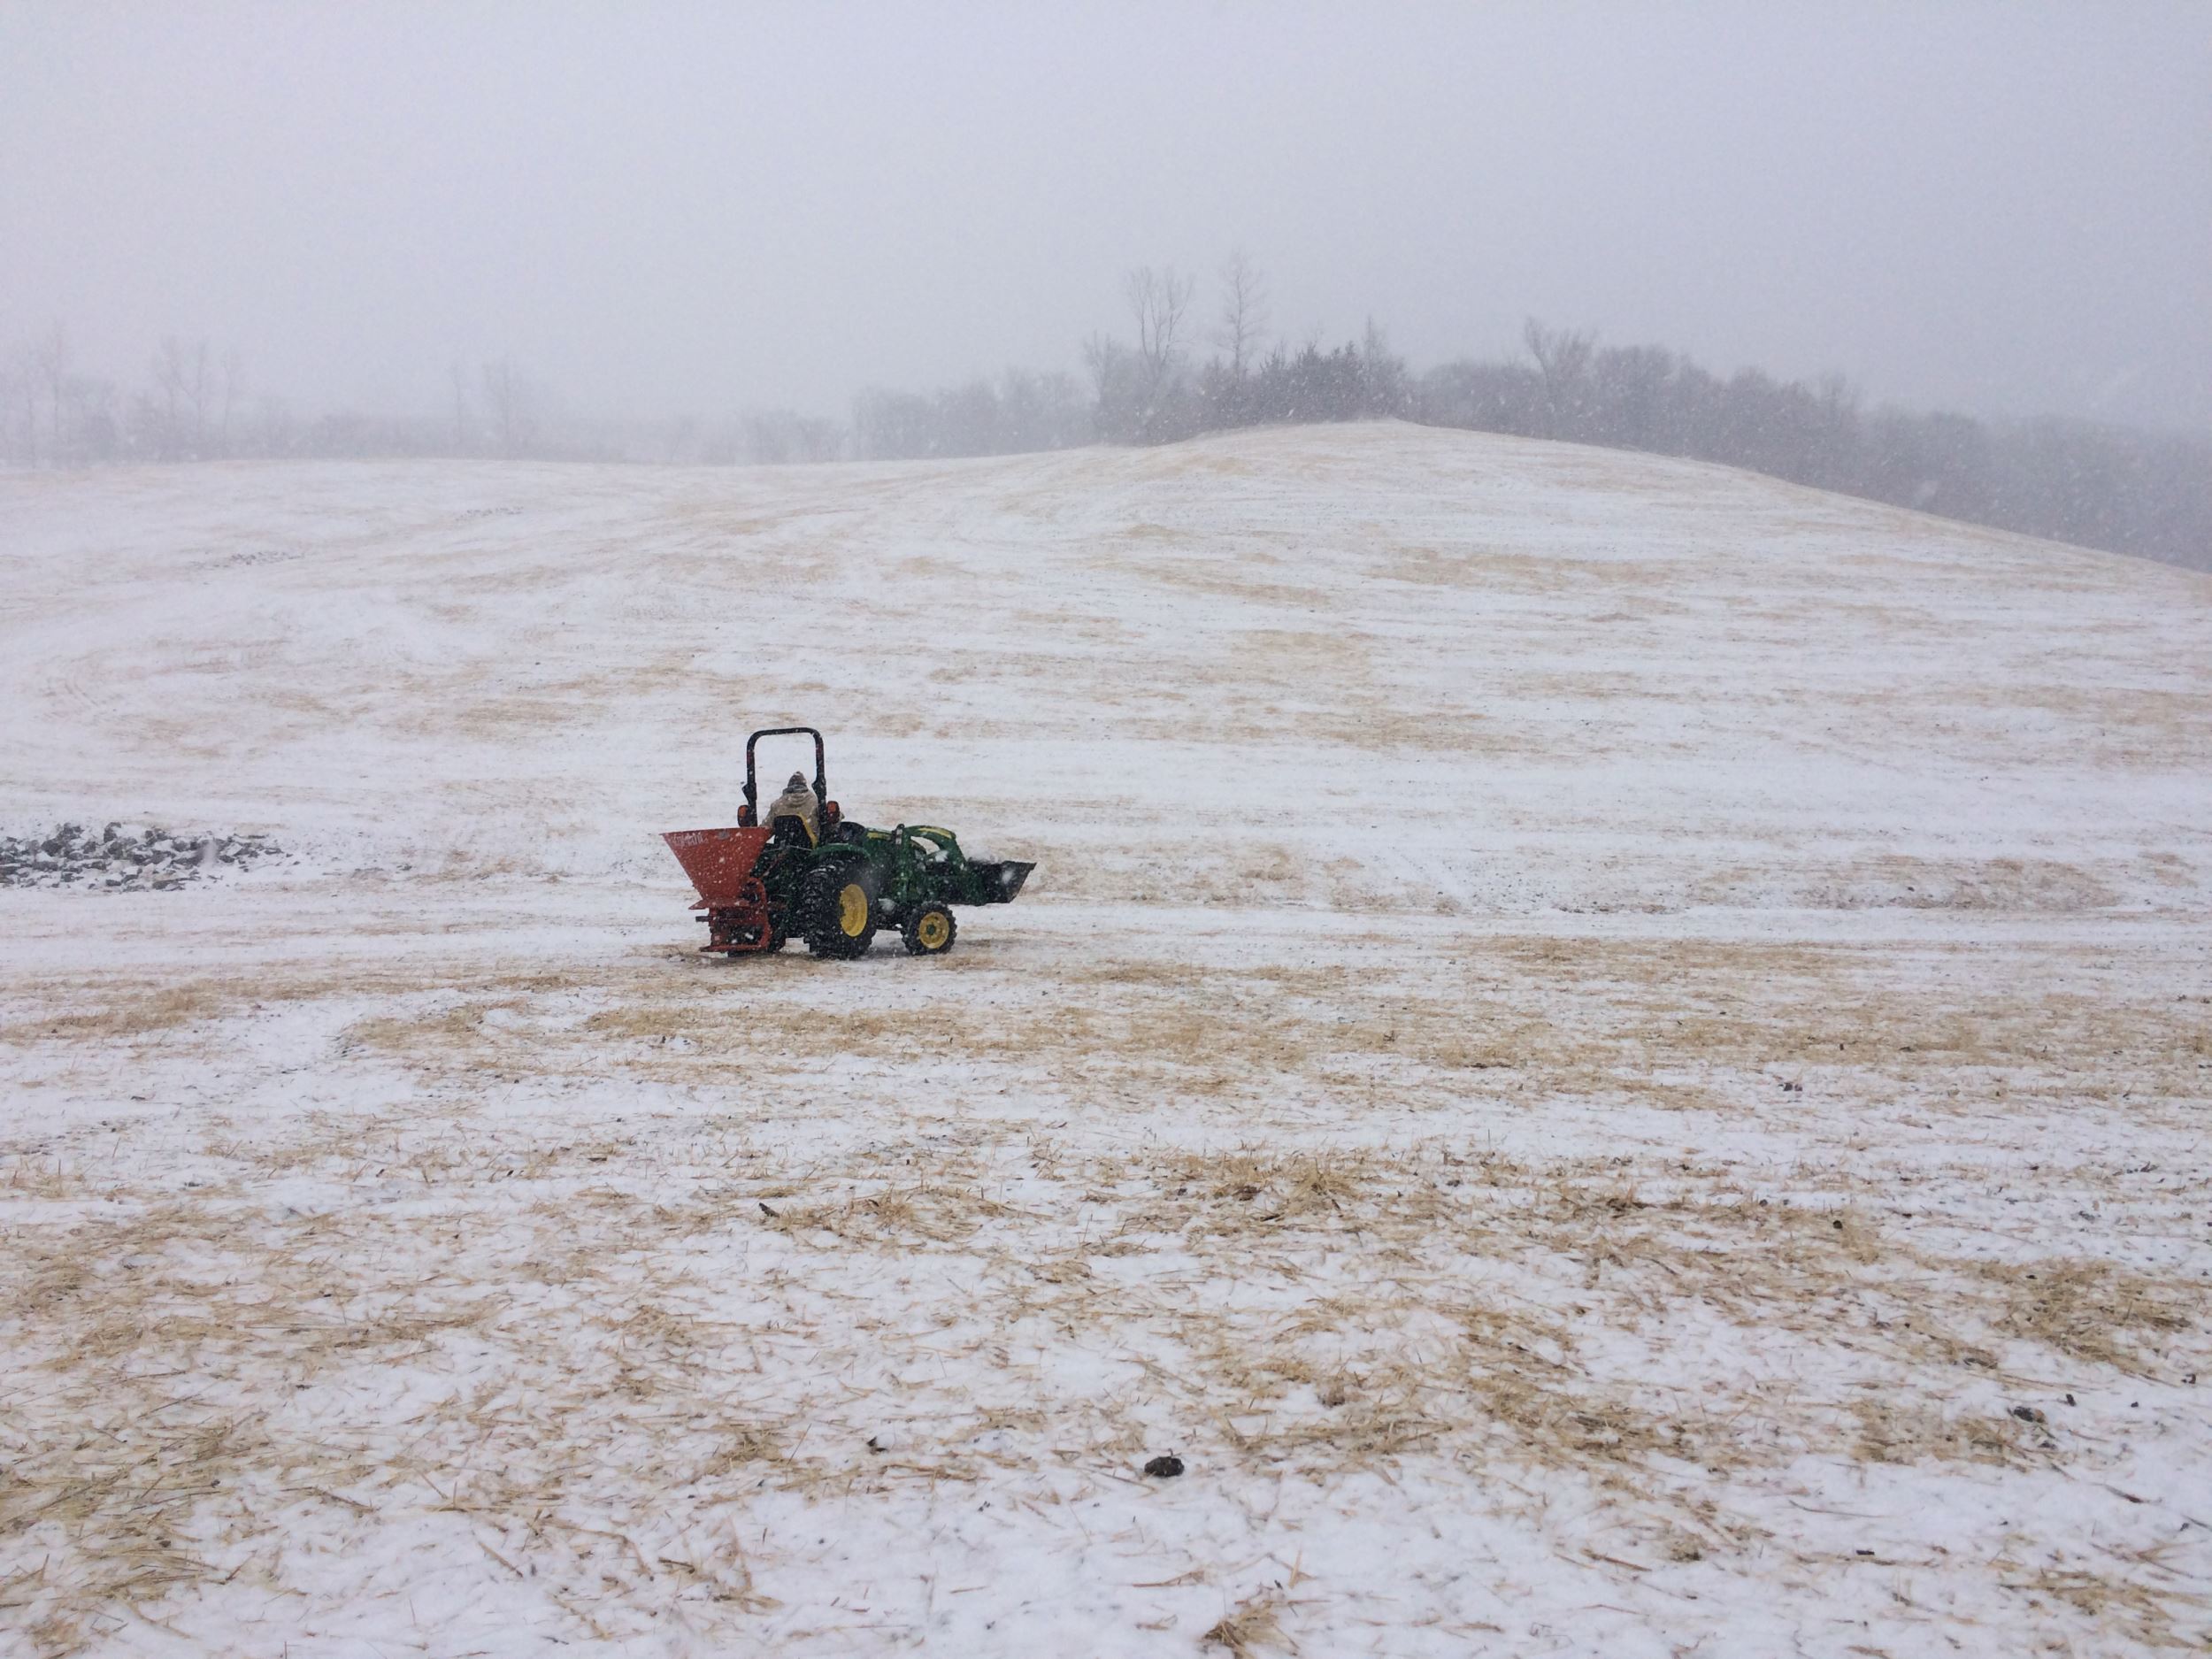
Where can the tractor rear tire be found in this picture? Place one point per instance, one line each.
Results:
(929, 932)
(839, 908)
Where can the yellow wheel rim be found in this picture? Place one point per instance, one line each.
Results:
(934, 929)
(852, 908)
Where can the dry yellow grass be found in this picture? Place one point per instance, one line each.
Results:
(1686, 1247)
(1252, 1628)
(1316, 1273)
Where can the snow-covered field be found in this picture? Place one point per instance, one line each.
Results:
(1616, 1055)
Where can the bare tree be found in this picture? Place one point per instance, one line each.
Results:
(19, 382)
(460, 380)
(199, 386)
(233, 384)
(90, 421)
(510, 398)
(49, 362)
(1562, 357)
(169, 386)
(180, 377)
(276, 430)
(1102, 358)
(1243, 312)
(1159, 300)
(1120, 405)
(1833, 463)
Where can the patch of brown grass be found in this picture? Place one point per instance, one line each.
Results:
(920, 1212)
(1891, 1431)
(1250, 1628)
(129, 1010)
(2091, 1311)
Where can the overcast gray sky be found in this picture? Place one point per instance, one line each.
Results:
(2001, 208)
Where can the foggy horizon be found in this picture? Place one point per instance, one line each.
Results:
(2006, 211)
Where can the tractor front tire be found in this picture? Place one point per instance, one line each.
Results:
(929, 932)
(840, 908)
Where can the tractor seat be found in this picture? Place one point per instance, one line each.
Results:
(790, 830)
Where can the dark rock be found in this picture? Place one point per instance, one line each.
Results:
(135, 863)
(1164, 1468)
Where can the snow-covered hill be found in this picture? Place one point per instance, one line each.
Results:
(1431, 669)
(1613, 1052)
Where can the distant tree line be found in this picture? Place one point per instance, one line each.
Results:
(1015, 413)
(190, 405)
(1151, 390)
(2072, 481)
(194, 404)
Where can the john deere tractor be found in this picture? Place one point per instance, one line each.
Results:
(832, 883)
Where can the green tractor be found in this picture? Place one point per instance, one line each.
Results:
(832, 883)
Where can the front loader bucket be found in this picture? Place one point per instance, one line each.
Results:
(719, 861)
(1000, 882)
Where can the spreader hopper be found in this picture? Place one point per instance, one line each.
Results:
(719, 862)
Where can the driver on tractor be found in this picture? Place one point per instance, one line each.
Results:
(798, 801)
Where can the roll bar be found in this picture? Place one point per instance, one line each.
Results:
(821, 773)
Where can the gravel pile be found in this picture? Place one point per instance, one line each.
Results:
(115, 857)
